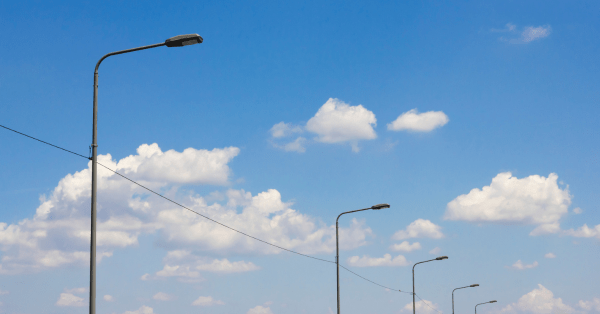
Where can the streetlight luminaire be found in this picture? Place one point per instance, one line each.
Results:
(177, 41)
(337, 247)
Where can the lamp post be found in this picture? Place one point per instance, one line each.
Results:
(337, 248)
(471, 286)
(493, 301)
(413, 274)
(177, 41)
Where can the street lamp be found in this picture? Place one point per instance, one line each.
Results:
(413, 273)
(337, 249)
(493, 301)
(471, 286)
(177, 41)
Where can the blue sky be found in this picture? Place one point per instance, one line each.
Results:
(476, 122)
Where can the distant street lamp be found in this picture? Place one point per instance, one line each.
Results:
(471, 286)
(177, 41)
(493, 301)
(413, 273)
(337, 249)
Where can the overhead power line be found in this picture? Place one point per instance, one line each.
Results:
(206, 217)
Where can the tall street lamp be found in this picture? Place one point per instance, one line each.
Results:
(177, 41)
(337, 248)
(493, 301)
(413, 273)
(471, 286)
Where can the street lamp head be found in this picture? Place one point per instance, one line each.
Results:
(380, 206)
(183, 40)
(494, 301)
(475, 285)
(441, 258)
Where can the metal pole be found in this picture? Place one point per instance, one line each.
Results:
(94, 188)
(453, 301)
(413, 271)
(337, 254)
(95, 176)
(337, 263)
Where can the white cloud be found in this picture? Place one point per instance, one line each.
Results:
(297, 145)
(589, 305)
(337, 122)
(225, 266)
(207, 301)
(77, 290)
(520, 266)
(535, 200)
(69, 299)
(577, 210)
(260, 310)
(186, 266)
(527, 35)
(546, 229)
(283, 129)
(386, 260)
(188, 167)
(108, 298)
(405, 246)
(161, 296)
(584, 232)
(420, 228)
(422, 307)
(538, 301)
(550, 255)
(3, 292)
(412, 120)
(142, 310)
(531, 33)
(435, 251)
(58, 234)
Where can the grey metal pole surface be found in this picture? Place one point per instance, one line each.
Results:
(337, 254)
(413, 276)
(470, 286)
(177, 41)
(494, 301)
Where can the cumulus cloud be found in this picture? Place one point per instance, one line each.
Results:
(534, 200)
(298, 145)
(524, 36)
(283, 129)
(207, 301)
(518, 265)
(577, 210)
(142, 310)
(423, 307)
(420, 228)
(3, 292)
(412, 120)
(69, 299)
(108, 298)
(386, 260)
(590, 305)
(584, 232)
(58, 234)
(538, 301)
(161, 296)
(260, 310)
(405, 246)
(337, 122)
(188, 167)
(550, 255)
(186, 266)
